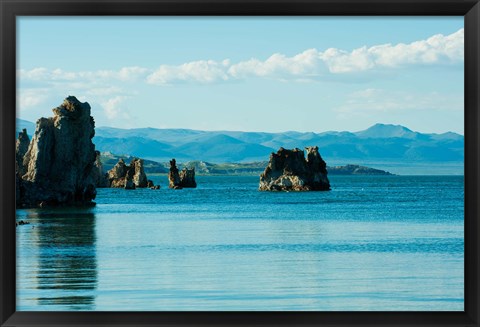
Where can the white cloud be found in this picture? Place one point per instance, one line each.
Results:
(438, 49)
(28, 98)
(106, 89)
(112, 107)
(305, 64)
(434, 50)
(312, 64)
(308, 65)
(339, 61)
(59, 74)
(131, 73)
(203, 71)
(125, 74)
(34, 74)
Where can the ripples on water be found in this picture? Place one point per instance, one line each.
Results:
(372, 243)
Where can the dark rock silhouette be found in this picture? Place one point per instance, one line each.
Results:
(21, 147)
(187, 178)
(128, 177)
(184, 178)
(288, 170)
(60, 157)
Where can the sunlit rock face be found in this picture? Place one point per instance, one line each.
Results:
(128, 177)
(139, 177)
(60, 158)
(288, 170)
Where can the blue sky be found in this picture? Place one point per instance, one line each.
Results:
(245, 73)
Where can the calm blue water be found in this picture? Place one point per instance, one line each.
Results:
(372, 243)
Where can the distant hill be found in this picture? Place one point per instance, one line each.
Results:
(388, 131)
(392, 147)
(356, 170)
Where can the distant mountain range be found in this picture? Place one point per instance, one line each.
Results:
(391, 147)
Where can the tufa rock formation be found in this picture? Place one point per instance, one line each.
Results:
(21, 147)
(128, 177)
(173, 176)
(187, 178)
(139, 178)
(116, 173)
(184, 178)
(60, 157)
(289, 171)
(99, 177)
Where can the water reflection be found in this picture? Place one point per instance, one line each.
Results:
(67, 264)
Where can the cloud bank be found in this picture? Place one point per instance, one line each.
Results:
(309, 64)
(112, 88)
(313, 64)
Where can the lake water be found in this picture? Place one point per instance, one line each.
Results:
(372, 243)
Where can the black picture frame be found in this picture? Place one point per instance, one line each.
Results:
(470, 9)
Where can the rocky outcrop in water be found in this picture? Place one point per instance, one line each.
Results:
(288, 170)
(60, 157)
(118, 171)
(128, 177)
(21, 148)
(139, 177)
(99, 177)
(184, 178)
(187, 178)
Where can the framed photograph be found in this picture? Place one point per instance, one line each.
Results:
(239, 163)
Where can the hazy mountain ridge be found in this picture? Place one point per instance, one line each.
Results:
(380, 143)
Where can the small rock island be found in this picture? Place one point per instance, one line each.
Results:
(288, 170)
(184, 178)
(129, 177)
